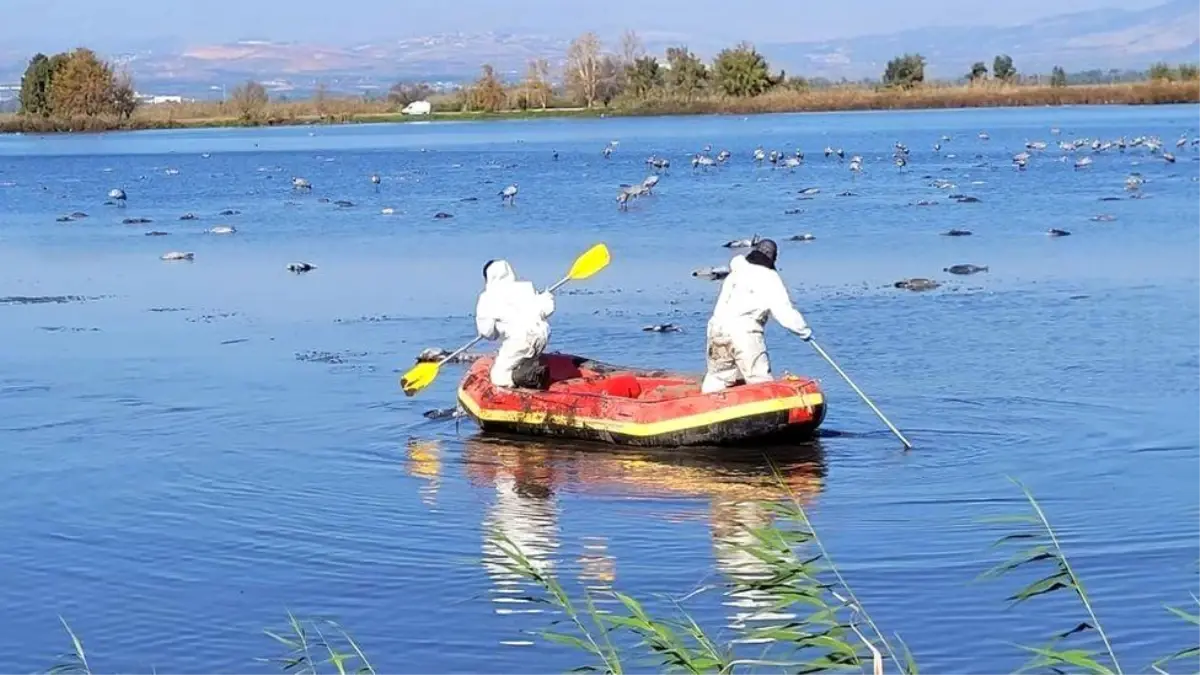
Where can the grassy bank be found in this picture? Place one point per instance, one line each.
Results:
(345, 111)
(807, 618)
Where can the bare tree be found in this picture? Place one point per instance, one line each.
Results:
(537, 84)
(249, 100)
(632, 48)
(583, 67)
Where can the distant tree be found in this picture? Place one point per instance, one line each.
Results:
(35, 86)
(1189, 71)
(1002, 68)
(1058, 77)
(688, 75)
(83, 86)
(487, 94)
(611, 79)
(792, 82)
(905, 71)
(124, 97)
(536, 89)
(1161, 71)
(978, 72)
(320, 99)
(401, 94)
(632, 48)
(741, 71)
(249, 99)
(583, 68)
(643, 76)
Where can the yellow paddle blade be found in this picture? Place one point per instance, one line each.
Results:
(419, 377)
(592, 261)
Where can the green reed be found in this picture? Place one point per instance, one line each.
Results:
(835, 632)
(830, 631)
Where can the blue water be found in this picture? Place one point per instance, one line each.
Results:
(190, 450)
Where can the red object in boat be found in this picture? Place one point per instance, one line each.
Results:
(631, 406)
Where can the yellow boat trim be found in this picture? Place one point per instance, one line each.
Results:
(643, 429)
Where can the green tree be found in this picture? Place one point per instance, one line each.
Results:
(487, 94)
(249, 99)
(741, 71)
(83, 86)
(644, 76)
(688, 76)
(1189, 71)
(1002, 68)
(35, 86)
(905, 71)
(1161, 71)
(978, 72)
(1058, 77)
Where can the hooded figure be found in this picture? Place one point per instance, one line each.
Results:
(752, 293)
(515, 313)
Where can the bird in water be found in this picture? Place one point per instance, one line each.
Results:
(301, 184)
(965, 269)
(375, 181)
(117, 195)
(1083, 162)
(509, 194)
(177, 255)
(300, 267)
(650, 182)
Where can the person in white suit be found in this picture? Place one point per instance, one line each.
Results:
(752, 293)
(515, 313)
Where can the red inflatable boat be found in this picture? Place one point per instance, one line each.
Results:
(629, 406)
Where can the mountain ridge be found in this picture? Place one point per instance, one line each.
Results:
(1096, 39)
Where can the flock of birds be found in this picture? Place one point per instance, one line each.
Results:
(1081, 150)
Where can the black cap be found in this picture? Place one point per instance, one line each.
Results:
(768, 248)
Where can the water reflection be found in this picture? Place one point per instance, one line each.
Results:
(425, 462)
(527, 477)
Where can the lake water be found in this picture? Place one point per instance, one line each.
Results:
(190, 450)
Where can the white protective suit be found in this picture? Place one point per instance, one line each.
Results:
(736, 350)
(515, 313)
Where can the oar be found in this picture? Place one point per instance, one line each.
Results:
(422, 375)
(860, 393)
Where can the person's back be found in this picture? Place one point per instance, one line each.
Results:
(752, 293)
(515, 313)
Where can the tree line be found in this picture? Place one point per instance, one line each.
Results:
(75, 84)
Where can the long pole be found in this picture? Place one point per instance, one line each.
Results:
(861, 394)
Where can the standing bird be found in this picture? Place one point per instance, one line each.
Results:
(117, 195)
(509, 194)
(1083, 162)
(855, 166)
(375, 181)
(759, 155)
(650, 182)
(301, 184)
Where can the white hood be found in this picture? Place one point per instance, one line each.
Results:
(508, 306)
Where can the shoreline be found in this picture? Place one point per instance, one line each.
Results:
(849, 99)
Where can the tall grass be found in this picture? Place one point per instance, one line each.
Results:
(814, 624)
(850, 97)
(835, 632)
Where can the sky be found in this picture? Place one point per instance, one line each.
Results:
(123, 24)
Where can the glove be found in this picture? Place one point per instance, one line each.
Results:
(805, 334)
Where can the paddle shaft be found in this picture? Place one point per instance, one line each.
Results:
(460, 350)
(860, 393)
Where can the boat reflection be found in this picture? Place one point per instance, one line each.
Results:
(528, 476)
(424, 461)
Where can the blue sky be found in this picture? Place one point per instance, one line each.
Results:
(55, 24)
